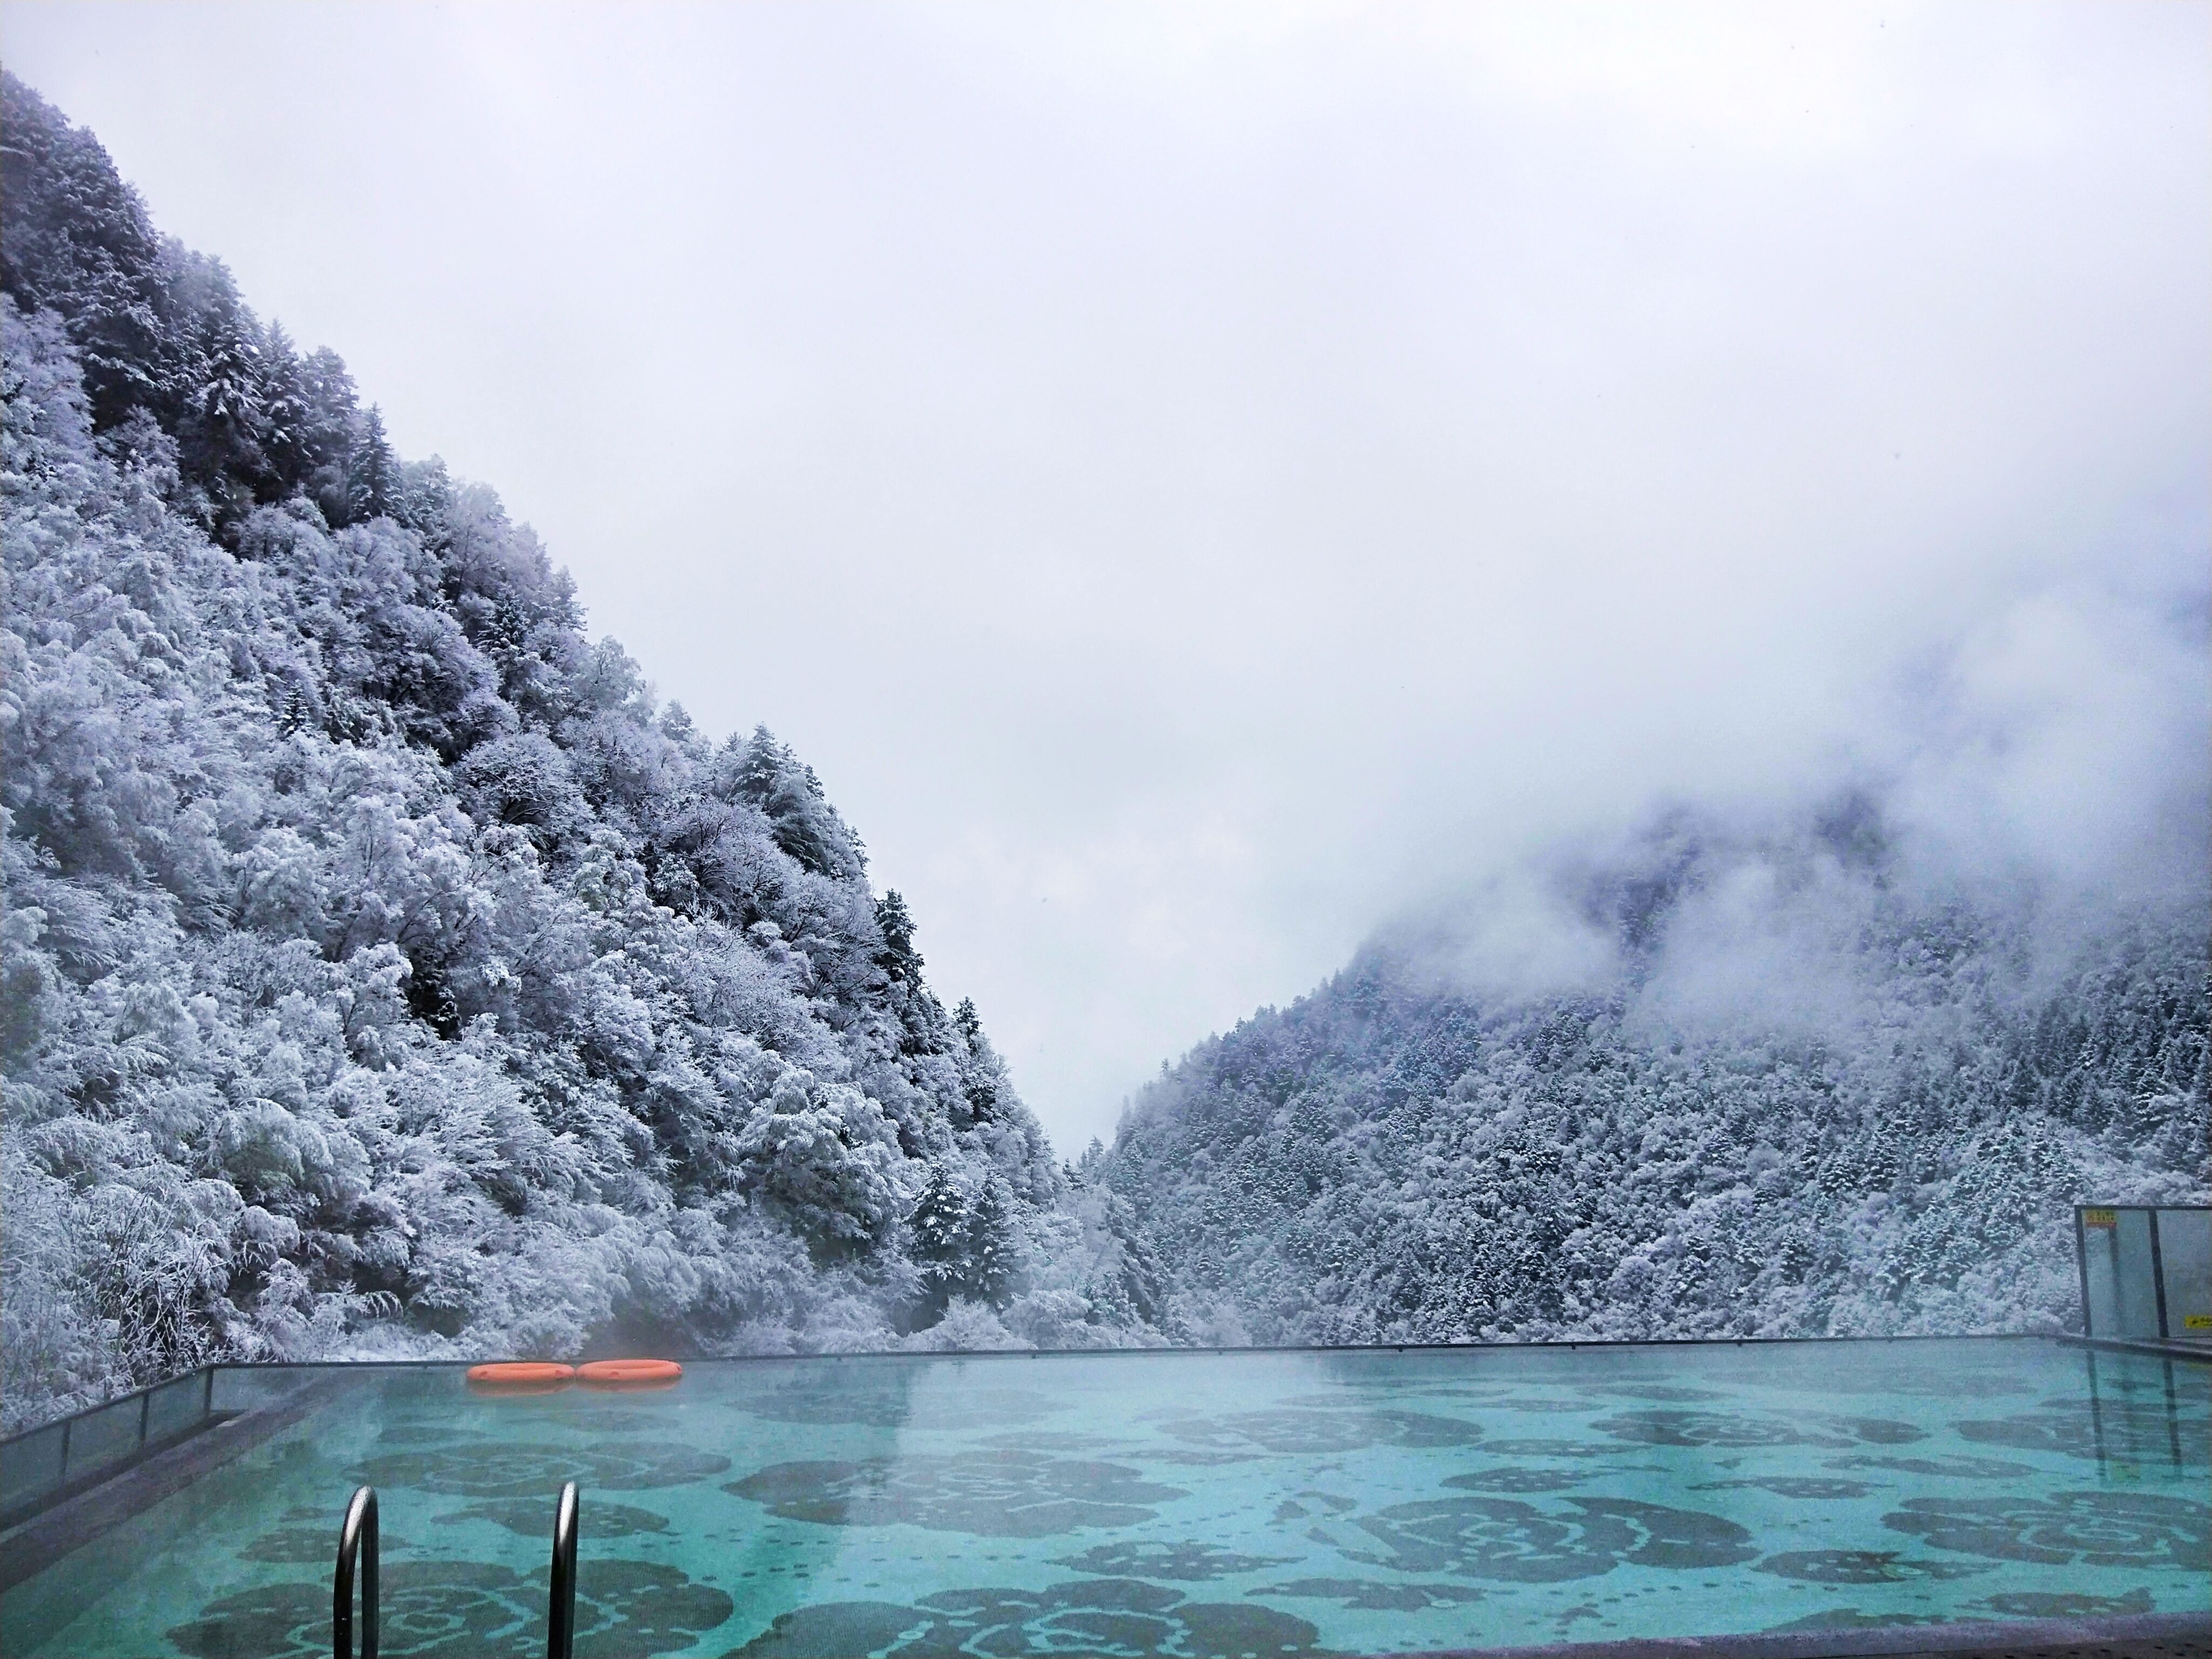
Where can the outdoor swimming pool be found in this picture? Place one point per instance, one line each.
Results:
(1350, 1501)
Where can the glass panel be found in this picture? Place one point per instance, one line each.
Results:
(103, 1435)
(2123, 1294)
(252, 1388)
(175, 1406)
(2138, 1288)
(2184, 1245)
(30, 1466)
(2101, 1264)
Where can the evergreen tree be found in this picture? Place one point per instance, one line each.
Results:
(75, 239)
(285, 414)
(964, 1246)
(372, 470)
(900, 960)
(989, 1268)
(218, 390)
(939, 1229)
(330, 415)
(766, 774)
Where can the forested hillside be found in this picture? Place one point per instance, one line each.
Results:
(386, 970)
(1801, 1087)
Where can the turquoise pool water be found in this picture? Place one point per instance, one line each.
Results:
(1186, 1503)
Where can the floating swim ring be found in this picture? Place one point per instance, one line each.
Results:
(629, 1373)
(521, 1376)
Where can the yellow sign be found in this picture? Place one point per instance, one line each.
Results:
(2197, 1322)
(2100, 1218)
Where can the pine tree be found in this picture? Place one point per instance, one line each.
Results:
(989, 1270)
(372, 471)
(938, 1231)
(284, 437)
(330, 415)
(765, 772)
(218, 387)
(900, 960)
(75, 239)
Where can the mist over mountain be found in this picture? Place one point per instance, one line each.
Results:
(386, 970)
(1783, 967)
(1833, 1068)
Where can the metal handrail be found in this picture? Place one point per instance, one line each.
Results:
(560, 1614)
(357, 1537)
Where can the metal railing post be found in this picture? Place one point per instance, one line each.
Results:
(560, 1614)
(2081, 1267)
(356, 1538)
(2158, 1274)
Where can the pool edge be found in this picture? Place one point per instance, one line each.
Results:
(1878, 1642)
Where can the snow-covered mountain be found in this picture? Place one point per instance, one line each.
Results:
(1708, 1084)
(387, 969)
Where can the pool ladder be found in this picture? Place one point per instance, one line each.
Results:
(357, 1547)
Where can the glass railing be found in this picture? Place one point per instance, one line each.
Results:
(49, 1463)
(2146, 1271)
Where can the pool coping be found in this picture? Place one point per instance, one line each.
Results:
(1566, 1344)
(2190, 1351)
(2014, 1637)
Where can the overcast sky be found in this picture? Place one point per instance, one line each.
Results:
(1197, 481)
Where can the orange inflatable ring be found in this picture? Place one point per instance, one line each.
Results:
(629, 1373)
(521, 1376)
